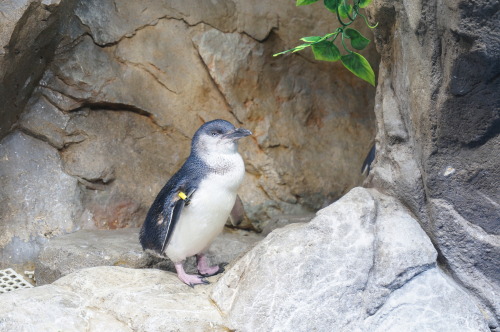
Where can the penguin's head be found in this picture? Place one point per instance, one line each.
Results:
(218, 136)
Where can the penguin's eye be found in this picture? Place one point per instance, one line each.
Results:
(215, 133)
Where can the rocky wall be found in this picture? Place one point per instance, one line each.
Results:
(438, 113)
(108, 116)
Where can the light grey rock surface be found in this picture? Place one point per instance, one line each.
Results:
(111, 299)
(430, 302)
(89, 248)
(363, 264)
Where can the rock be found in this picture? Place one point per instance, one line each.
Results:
(88, 248)
(111, 299)
(37, 200)
(280, 221)
(28, 39)
(231, 244)
(363, 264)
(46, 122)
(438, 136)
(430, 302)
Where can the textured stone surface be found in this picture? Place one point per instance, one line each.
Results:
(282, 220)
(230, 245)
(438, 142)
(364, 263)
(111, 299)
(89, 248)
(33, 208)
(27, 44)
(430, 302)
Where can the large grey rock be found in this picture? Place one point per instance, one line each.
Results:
(438, 142)
(88, 248)
(363, 264)
(111, 299)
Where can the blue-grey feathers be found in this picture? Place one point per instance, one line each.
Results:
(167, 207)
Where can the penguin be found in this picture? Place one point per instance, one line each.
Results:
(193, 206)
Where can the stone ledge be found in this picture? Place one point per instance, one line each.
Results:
(88, 248)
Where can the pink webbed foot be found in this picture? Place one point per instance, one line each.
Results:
(205, 270)
(189, 279)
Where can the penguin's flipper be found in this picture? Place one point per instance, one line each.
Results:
(171, 213)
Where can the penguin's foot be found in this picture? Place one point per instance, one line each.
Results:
(218, 269)
(192, 280)
(205, 270)
(189, 279)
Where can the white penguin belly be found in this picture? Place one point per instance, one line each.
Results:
(204, 218)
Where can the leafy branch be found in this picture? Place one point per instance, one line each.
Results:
(324, 48)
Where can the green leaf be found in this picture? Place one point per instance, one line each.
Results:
(304, 2)
(311, 39)
(332, 5)
(345, 9)
(364, 3)
(358, 41)
(300, 47)
(326, 51)
(283, 52)
(293, 50)
(359, 66)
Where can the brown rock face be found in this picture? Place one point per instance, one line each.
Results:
(128, 83)
(438, 113)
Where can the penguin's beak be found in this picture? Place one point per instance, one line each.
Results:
(237, 134)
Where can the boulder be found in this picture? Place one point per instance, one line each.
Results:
(363, 264)
(111, 298)
(88, 248)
